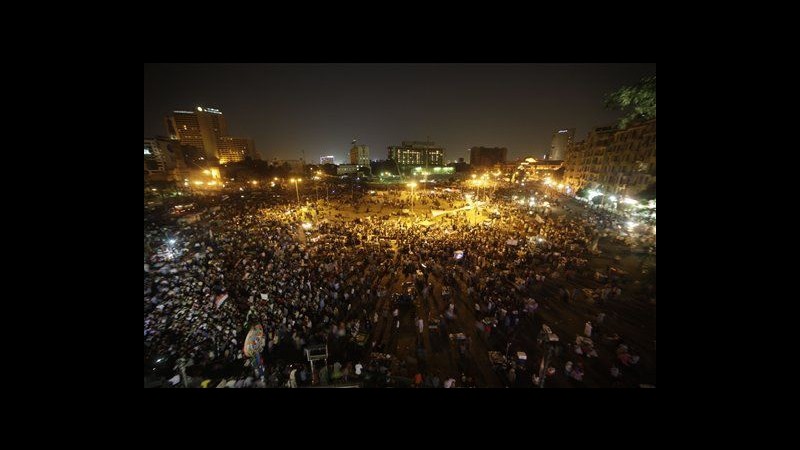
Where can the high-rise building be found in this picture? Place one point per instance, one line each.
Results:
(487, 156)
(232, 149)
(562, 139)
(417, 153)
(326, 160)
(201, 129)
(359, 155)
(207, 130)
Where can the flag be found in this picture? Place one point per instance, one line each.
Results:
(255, 340)
(220, 299)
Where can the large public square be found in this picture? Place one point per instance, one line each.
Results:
(405, 285)
(400, 225)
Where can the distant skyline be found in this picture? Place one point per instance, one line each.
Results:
(321, 108)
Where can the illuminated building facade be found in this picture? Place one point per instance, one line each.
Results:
(537, 169)
(207, 130)
(343, 169)
(614, 161)
(417, 154)
(233, 149)
(359, 155)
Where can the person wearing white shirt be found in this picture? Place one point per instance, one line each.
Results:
(358, 369)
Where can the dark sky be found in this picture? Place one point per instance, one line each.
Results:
(320, 108)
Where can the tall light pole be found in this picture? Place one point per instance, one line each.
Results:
(544, 339)
(296, 189)
(318, 177)
(412, 185)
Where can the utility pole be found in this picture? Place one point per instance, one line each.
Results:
(181, 365)
(544, 337)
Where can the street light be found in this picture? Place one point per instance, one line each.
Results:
(477, 184)
(296, 189)
(412, 185)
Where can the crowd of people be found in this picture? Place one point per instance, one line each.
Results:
(248, 262)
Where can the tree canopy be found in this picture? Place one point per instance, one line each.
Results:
(638, 102)
(649, 193)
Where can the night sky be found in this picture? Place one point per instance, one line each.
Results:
(321, 108)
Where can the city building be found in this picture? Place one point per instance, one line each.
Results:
(416, 154)
(359, 155)
(612, 161)
(487, 156)
(164, 160)
(326, 160)
(562, 139)
(343, 169)
(460, 166)
(232, 149)
(538, 169)
(207, 130)
(200, 129)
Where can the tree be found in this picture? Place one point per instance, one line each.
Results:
(638, 102)
(649, 193)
